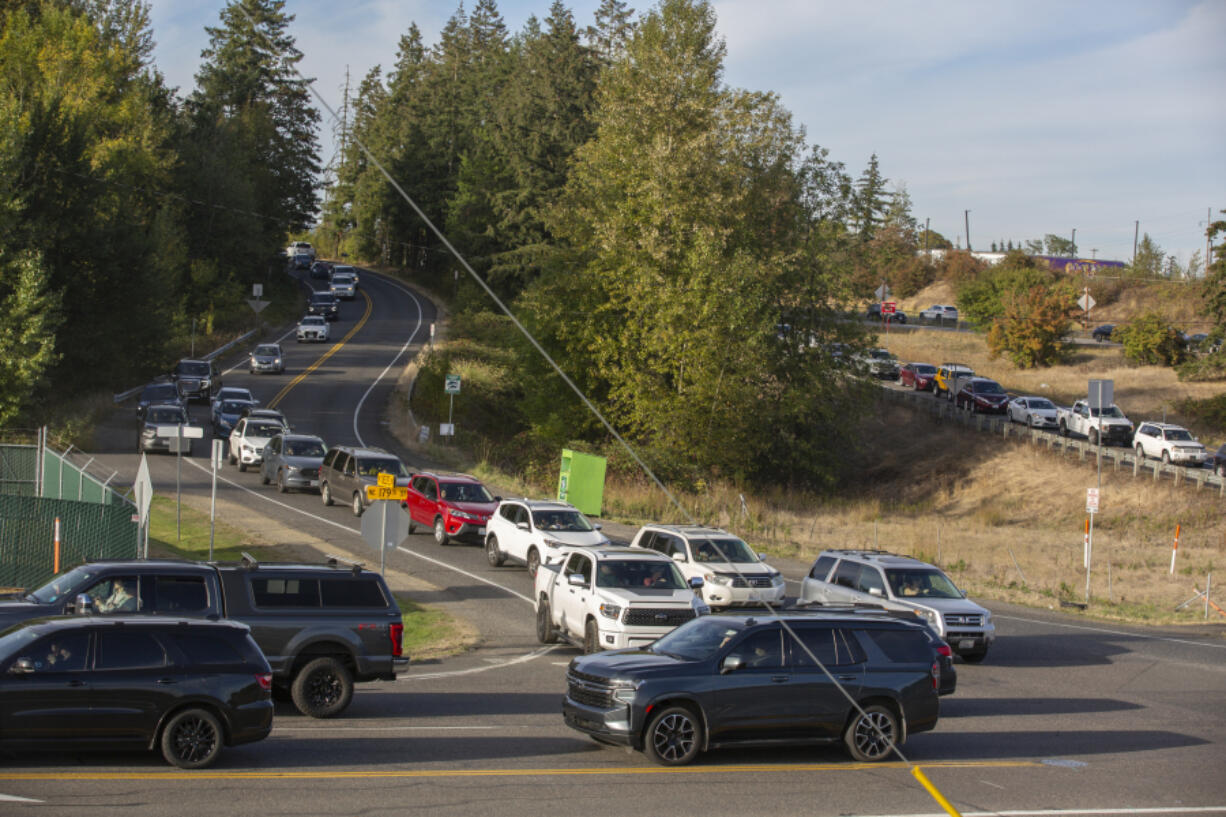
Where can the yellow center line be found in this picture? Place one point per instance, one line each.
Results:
(440, 773)
(336, 348)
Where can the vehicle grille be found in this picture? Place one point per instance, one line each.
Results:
(964, 619)
(657, 616)
(589, 690)
(310, 473)
(751, 581)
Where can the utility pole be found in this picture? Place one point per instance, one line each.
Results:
(1136, 232)
(928, 252)
(1094, 254)
(1208, 248)
(966, 214)
(1074, 242)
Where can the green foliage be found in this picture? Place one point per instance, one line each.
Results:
(1206, 368)
(1031, 331)
(1213, 288)
(1150, 339)
(981, 299)
(29, 316)
(1209, 412)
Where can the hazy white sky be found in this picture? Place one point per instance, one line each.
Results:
(1037, 116)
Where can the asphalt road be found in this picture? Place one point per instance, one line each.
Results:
(1064, 717)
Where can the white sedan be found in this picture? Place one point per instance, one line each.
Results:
(1036, 412)
(313, 327)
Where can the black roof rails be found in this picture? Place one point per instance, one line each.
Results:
(337, 561)
(249, 561)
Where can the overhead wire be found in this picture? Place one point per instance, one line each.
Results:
(890, 739)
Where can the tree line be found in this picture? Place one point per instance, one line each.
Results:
(129, 211)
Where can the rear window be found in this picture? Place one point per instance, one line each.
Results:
(359, 592)
(901, 646)
(207, 649)
(285, 592)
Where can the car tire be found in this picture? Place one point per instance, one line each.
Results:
(1063, 429)
(357, 505)
(233, 460)
(242, 467)
(440, 532)
(192, 739)
(591, 637)
(975, 657)
(264, 480)
(673, 737)
(282, 488)
(871, 734)
(1221, 470)
(1093, 436)
(325, 494)
(323, 688)
(544, 624)
(1140, 452)
(412, 525)
(492, 554)
(534, 561)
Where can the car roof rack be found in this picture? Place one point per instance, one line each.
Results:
(337, 561)
(249, 562)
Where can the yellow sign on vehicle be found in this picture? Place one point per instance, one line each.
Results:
(386, 480)
(376, 493)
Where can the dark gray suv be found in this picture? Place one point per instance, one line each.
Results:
(744, 679)
(347, 470)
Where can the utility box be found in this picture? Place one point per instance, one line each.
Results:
(581, 481)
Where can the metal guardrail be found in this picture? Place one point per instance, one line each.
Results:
(119, 398)
(943, 410)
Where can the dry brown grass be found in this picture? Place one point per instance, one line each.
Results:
(1143, 392)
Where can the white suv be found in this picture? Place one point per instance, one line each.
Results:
(878, 578)
(940, 312)
(1170, 443)
(731, 572)
(529, 531)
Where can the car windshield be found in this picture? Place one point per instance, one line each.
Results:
(321, 297)
(229, 393)
(373, 466)
(924, 368)
(264, 429)
(313, 320)
(921, 583)
(192, 368)
(343, 269)
(881, 354)
(639, 573)
(267, 349)
(342, 278)
(1112, 411)
(305, 448)
(988, 388)
(722, 550)
(54, 590)
(15, 639)
(1042, 403)
(465, 492)
(165, 415)
(567, 521)
(698, 638)
(1178, 434)
(234, 406)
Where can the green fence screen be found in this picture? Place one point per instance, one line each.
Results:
(88, 530)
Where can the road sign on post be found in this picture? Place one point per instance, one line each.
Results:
(889, 307)
(452, 385)
(384, 527)
(1091, 500)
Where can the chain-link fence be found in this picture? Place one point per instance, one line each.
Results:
(38, 485)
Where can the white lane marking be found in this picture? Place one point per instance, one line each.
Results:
(522, 659)
(403, 349)
(1111, 632)
(1069, 812)
(12, 798)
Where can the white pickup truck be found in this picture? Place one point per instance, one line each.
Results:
(1110, 423)
(609, 598)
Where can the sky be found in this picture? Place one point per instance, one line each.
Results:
(1036, 116)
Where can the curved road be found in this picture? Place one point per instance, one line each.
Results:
(1065, 717)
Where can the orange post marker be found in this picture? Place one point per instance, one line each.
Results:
(1085, 545)
(56, 566)
(1174, 549)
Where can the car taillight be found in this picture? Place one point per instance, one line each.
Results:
(264, 679)
(945, 651)
(936, 676)
(396, 633)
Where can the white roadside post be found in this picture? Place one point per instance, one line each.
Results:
(1101, 397)
(218, 454)
(1091, 509)
(179, 433)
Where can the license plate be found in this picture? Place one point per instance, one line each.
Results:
(755, 596)
(966, 644)
(314, 483)
(481, 531)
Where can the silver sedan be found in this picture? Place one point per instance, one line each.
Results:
(1036, 412)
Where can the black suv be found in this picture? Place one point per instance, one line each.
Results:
(742, 679)
(197, 379)
(323, 303)
(322, 627)
(188, 687)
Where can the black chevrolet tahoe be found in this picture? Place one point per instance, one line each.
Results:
(322, 627)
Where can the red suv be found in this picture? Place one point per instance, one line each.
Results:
(456, 506)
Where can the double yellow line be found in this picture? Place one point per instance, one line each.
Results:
(335, 348)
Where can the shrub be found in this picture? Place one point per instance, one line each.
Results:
(1151, 339)
(1209, 411)
(1032, 329)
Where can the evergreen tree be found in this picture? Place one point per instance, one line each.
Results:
(612, 30)
(871, 200)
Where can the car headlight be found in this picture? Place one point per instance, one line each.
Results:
(467, 517)
(624, 691)
(777, 579)
(934, 618)
(610, 610)
(550, 543)
(717, 579)
(277, 362)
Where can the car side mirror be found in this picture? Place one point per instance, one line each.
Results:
(731, 664)
(522, 525)
(22, 666)
(875, 591)
(761, 557)
(497, 499)
(597, 526)
(576, 580)
(963, 592)
(680, 557)
(696, 582)
(83, 606)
